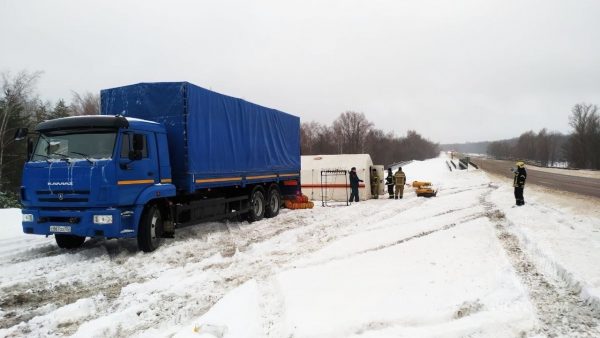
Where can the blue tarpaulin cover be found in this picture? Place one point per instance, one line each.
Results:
(211, 135)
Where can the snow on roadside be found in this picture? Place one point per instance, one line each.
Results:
(562, 239)
(12, 239)
(10, 226)
(417, 288)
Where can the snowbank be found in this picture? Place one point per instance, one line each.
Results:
(10, 224)
(562, 237)
(235, 315)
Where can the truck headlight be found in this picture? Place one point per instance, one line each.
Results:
(27, 218)
(103, 219)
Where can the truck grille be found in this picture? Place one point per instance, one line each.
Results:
(63, 195)
(54, 219)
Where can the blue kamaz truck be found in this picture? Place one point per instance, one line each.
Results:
(160, 156)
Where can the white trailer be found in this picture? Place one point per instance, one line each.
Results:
(336, 188)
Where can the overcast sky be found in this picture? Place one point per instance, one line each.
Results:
(452, 70)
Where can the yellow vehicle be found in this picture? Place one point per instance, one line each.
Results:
(424, 189)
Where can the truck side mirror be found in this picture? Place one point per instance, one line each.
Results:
(21, 134)
(29, 148)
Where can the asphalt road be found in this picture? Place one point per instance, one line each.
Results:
(580, 185)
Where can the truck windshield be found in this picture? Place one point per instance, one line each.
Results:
(75, 145)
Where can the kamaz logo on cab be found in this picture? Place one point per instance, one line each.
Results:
(60, 183)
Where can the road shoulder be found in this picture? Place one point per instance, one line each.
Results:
(560, 231)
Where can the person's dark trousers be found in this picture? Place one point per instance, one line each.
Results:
(354, 194)
(391, 191)
(519, 196)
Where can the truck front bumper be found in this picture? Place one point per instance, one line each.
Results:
(81, 222)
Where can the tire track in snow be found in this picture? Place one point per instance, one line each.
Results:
(217, 238)
(21, 303)
(312, 236)
(560, 310)
(397, 242)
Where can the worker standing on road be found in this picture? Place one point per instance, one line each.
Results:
(519, 182)
(399, 181)
(389, 181)
(354, 180)
(374, 184)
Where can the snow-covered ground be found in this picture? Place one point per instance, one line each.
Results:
(465, 263)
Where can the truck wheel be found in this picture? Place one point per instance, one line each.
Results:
(257, 206)
(69, 241)
(150, 229)
(273, 203)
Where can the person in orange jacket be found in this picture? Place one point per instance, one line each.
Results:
(400, 180)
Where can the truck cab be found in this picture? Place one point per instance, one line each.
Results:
(92, 176)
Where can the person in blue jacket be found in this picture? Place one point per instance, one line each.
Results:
(354, 180)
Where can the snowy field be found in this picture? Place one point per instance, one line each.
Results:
(466, 263)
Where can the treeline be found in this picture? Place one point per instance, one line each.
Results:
(581, 148)
(20, 106)
(352, 133)
(543, 148)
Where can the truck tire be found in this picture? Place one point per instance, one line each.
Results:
(68, 241)
(273, 203)
(150, 229)
(257, 205)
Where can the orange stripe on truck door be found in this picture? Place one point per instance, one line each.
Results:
(127, 182)
(224, 179)
(232, 179)
(259, 177)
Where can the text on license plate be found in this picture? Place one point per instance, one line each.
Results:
(60, 228)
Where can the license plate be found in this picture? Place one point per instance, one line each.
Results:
(60, 228)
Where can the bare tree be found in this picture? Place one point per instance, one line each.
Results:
(582, 148)
(353, 133)
(555, 145)
(85, 104)
(326, 140)
(16, 105)
(309, 133)
(351, 128)
(501, 150)
(419, 148)
(526, 146)
(378, 144)
(542, 147)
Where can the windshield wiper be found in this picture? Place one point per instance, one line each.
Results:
(86, 156)
(48, 158)
(42, 155)
(62, 156)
